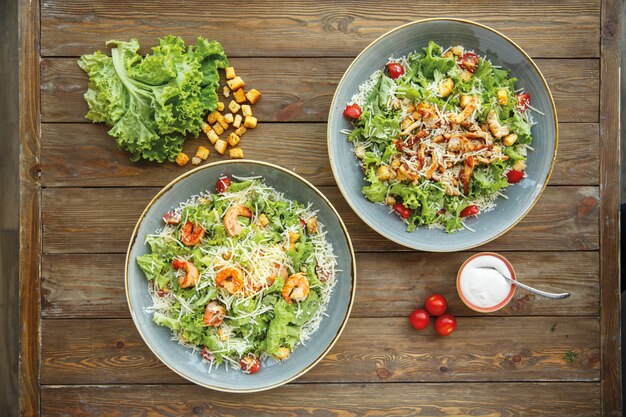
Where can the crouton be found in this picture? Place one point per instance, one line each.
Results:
(240, 96)
(212, 117)
(249, 122)
(226, 91)
(182, 159)
(465, 75)
(195, 160)
(233, 139)
(220, 146)
(213, 137)
(246, 110)
(237, 121)
(240, 131)
(230, 73)
(205, 128)
(253, 96)
(222, 121)
(229, 118)
(236, 153)
(446, 87)
(218, 128)
(235, 83)
(503, 97)
(233, 106)
(202, 153)
(263, 220)
(220, 106)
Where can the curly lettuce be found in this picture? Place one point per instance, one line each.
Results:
(153, 102)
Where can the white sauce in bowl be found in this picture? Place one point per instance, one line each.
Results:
(483, 286)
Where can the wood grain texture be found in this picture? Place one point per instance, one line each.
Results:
(9, 321)
(110, 351)
(610, 209)
(100, 220)
(368, 400)
(86, 285)
(301, 89)
(551, 28)
(84, 155)
(30, 197)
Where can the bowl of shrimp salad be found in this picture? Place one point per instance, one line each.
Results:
(240, 276)
(442, 134)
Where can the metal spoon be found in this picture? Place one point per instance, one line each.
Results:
(531, 289)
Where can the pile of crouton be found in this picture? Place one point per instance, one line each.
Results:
(218, 123)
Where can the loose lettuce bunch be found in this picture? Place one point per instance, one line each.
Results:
(152, 103)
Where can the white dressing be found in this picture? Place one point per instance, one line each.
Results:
(481, 281)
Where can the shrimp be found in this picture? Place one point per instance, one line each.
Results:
(495, 127)
(191, 277)
(231, 279)
(231, 219)
(191, 233)
(214, 314)
(296, 288)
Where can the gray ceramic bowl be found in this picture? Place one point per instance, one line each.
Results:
(501, 51)
(181, 359)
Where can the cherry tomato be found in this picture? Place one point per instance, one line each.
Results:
(171, 217)
(444, 325)
(470, 211)
(403, 211)
(223, 184)
(352, 111)
(436, 305)
(395, 70)
(162, 292)
(523, 101)
(419, 319)
(250, 363)
(469, 61)
(514, 176)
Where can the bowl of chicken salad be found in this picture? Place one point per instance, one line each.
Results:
(240, 276)
(442, 134)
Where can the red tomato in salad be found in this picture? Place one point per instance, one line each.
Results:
(514, 176)
(162, 292)
(523, 101)
(171, 217)
(352, 111)
(250, 364)
(470, 211)
(419, 319)
(468, 61)
(206, 354)
(436, 305)
(395, 70)
(444, 325)
(223, 184)
(403, 211)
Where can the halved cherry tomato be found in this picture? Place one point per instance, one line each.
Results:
(468, 61)
(250, 363)
(523, 101)
(403, 211)
(469, 211)
(223, 184)
(162, 292)
(192, 233)
(436, 305)
(171, 217)
(395, 70)
(419, 319)
(352, 111)
(444, 325)
(514, 176)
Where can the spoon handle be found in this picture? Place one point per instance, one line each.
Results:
(536, 291)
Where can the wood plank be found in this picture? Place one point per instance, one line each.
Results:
(110, 351)
(9, 321)
(30, 198)
(80, 285)
(304, 87)
(100, 220)
(490, 399)
(83, 155)
(550, 28)
(612, 14)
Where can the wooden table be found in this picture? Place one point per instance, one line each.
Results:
(80, 352)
